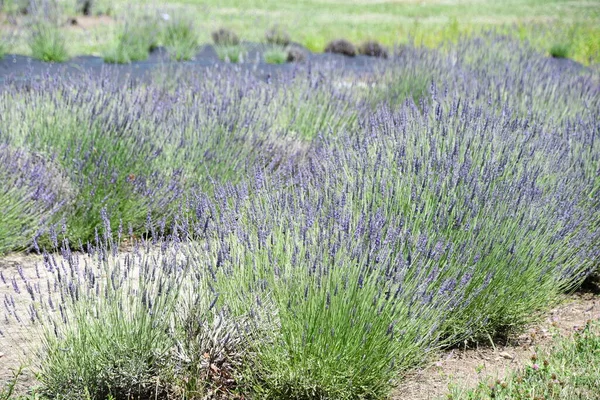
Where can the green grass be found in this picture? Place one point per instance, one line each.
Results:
(275, 55)
(392, 22)
(232, 54)
(314, 23)
(569, 370)
(180, 38)
(48, 43)
(134, 41)
(560, 50)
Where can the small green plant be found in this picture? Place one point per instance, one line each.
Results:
(569, 370)
(7, 391)
(48, 43)
(180, 38)
(232, 54)
(134, 42)
(276, 55)
(560, 50)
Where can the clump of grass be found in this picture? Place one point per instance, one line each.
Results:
(277, 36)
(180, 38)
(134, 42)
(15, 7)
(46, 40)
(225, 37)
(373, 49)
(48, 44)
(341, 46)
(569, 370)
(275, 55)
(560, 50)
(232, 53)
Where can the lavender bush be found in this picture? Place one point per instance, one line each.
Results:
(32, 189)
(312, 236)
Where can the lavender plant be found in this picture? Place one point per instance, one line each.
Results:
(317, 240)
(135, 40)
(46, 40)
(108, 327)
(276, 55)
(32, 191)
(180, 38)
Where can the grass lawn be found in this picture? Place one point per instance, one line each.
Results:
(570, 26)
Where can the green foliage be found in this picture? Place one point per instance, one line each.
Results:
(569, 370)
(48, 44)
(325, 342)
(134, 41)
(180, 38)
(232, 54)
(275, 55)
(560, 50)
(114, 342)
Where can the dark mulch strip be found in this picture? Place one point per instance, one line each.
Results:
(16, 68)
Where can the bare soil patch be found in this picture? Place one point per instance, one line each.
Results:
(466, 367)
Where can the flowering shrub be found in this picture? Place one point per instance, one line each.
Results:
(305, 238)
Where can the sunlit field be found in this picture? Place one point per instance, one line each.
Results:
(315, 231)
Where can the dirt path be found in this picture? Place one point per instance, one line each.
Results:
(464, 368)
(18, 340)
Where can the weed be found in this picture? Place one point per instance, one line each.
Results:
(568, 370)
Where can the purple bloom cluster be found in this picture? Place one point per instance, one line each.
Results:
(353, 218)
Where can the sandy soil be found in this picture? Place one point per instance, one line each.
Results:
(464, 368)
(17, 340)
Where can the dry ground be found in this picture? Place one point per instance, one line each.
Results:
(464, 368)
